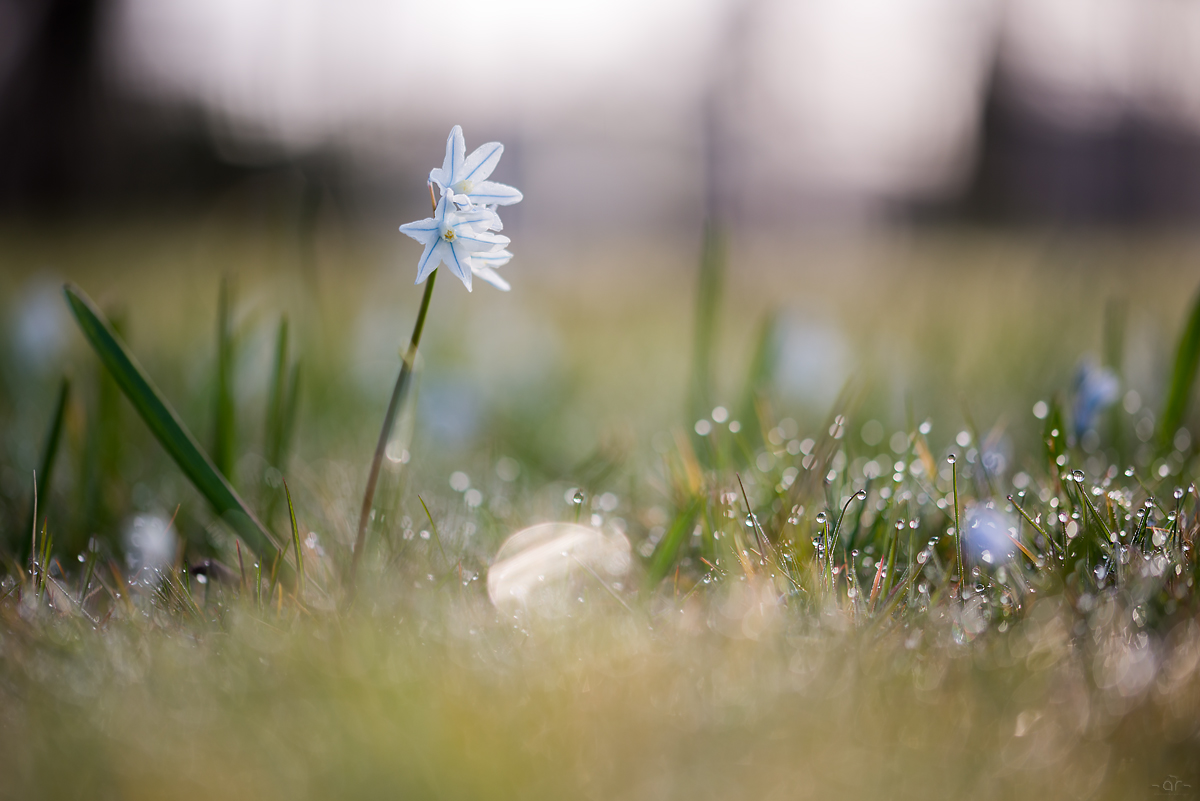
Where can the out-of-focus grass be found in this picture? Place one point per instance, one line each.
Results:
(739, 676)
(440, 699)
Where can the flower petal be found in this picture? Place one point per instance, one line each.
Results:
(479, 165)
(423, 231)
(473, 241)
(490, 193)
(456, 148)
(490, 275)
(430, 259)
(480, 219)
(493, 258)
(458, 259)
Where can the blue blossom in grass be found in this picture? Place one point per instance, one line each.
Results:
(453, 237)
(466, 176)
(989, 532)
(1096, 388)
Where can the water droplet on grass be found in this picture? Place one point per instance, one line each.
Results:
(951, 459)
(1077, 476)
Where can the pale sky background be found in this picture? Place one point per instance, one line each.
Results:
(838, 104)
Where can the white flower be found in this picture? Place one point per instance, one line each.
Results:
(484, 265)
(453, 237)
(459, 233)
(466, 176)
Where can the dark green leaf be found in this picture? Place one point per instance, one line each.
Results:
(166, 425)
(1183, 377)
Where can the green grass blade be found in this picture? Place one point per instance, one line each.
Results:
(1183, 377)
(224, 422)
(100, 467)
(667, 552)
(166, 425)
(760, 375)
(50, 452)
(277, 399)
(295, 538)
(280, 407)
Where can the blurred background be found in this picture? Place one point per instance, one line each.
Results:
(648, 114)
(960, 203)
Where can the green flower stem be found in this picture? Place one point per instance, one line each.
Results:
(388, 420)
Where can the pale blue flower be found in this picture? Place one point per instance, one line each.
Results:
(1096, 388)
(989, 532)
(466, 176)
(454, 237)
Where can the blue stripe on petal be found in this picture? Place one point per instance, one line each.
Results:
(459, 270)
(490, 242)
(486, 163)
(428, 262)
(456, 150)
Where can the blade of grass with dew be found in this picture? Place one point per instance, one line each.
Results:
(1054, 436)
(166, 426)
(437, 538)
(43, 562)
(1183, 377)
(224, 422)
(50, 451)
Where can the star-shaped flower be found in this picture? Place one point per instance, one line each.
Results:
(453, 237)
(466, 176)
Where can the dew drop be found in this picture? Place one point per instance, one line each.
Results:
(821, 517)
(951, 459)
(1178, 493)
(578, 498)
(1077, 476)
